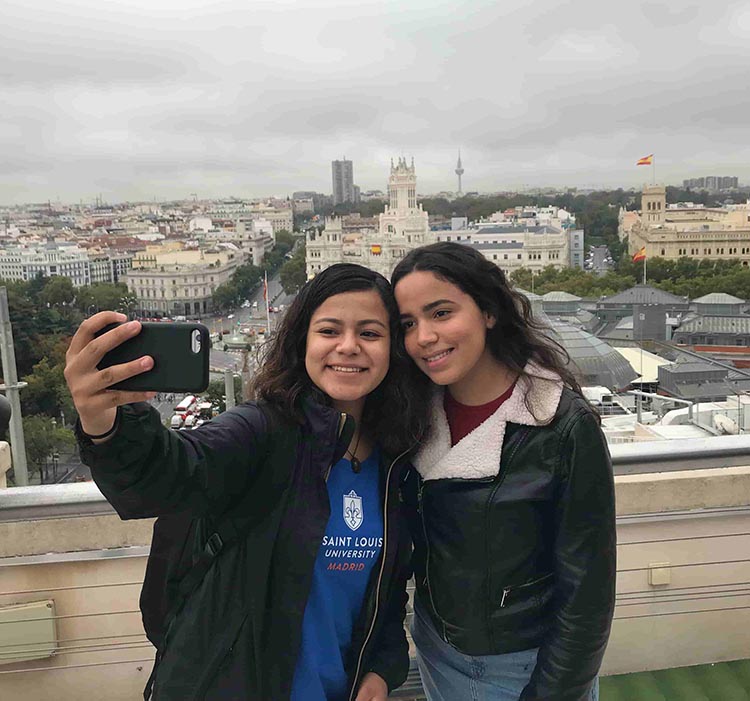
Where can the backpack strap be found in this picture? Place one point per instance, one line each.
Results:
(237, 521)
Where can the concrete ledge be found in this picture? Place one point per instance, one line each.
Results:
(682, 491)
(19, 538)
(636, 494)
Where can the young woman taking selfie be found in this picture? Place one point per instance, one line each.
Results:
(308, 605)
(514, 517)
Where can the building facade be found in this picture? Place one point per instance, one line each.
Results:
(400, 228)
(686, 231)
(519, 245)
(80, 266)
(179, 283)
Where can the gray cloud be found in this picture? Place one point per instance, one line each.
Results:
(161, 99)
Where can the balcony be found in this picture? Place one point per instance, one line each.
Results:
(683, 518)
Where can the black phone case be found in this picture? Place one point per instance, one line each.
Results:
(178, 367)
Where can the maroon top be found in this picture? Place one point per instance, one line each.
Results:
(463, 419)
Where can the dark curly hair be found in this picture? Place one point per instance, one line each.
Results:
(516, 336)
(395, 412)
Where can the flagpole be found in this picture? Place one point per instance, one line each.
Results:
(268, 302)
(644, 270)
(653, 170)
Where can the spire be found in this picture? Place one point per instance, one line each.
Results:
(459, 171)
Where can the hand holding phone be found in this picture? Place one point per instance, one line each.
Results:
(180, 352)
(95, 402)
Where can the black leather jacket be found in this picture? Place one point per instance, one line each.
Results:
(526, 558)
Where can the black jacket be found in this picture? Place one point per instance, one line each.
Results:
(524, 557)
(238, 635)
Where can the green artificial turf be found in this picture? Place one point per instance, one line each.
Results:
(723, 681)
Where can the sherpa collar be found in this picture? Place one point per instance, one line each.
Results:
(478, 454)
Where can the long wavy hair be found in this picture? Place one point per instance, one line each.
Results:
(394, 413)
(516, 337)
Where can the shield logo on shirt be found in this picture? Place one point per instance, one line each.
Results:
(353, 515)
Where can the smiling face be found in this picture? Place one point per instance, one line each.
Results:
(348, 348)
(445, 333)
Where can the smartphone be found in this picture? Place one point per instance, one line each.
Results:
(180, 352)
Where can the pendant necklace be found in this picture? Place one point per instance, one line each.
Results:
(356, 464)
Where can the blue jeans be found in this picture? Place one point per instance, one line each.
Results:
(449, 675)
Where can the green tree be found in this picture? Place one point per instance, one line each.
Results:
(42, 437)
(58, 292)
(47, 392)
(100, 296)
(215, 393)
(226, 296)
(293, 273)
(284, 238)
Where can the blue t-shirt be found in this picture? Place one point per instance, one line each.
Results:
(350, 549)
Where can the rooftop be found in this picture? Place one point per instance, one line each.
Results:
(716, 324)
(718, 298)
(559, 296)
(643, 294)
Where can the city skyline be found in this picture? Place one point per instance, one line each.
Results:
(164, 99)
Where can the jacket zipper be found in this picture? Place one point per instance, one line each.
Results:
(427, 548)
(523, 433)
(342, 423)
(380, 577)
(508, 590)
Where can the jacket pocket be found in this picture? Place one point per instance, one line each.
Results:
(527, 592)
(221, 651)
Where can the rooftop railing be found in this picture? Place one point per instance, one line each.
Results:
(71, 571)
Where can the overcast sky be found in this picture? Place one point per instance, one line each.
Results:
(143, 99)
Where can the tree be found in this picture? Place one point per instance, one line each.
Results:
(58, 292)
(226, 296)
(293, 273)
(215, 393)
(100, 296)
(284, 238)
(42, 438)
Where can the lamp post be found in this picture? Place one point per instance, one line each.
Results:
(55, 454)
(129, 305)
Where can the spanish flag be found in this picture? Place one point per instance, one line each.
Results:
(646, 160)
(639, 255)
(376, 250)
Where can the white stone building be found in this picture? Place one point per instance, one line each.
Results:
(401, 227)
(522, 245)
(80, 266)
(686, 230)
(180, 282)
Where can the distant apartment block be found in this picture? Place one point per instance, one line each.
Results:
(713, 183)
(80, 266)
(344, 189)
(278, 212)
(686, 229)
